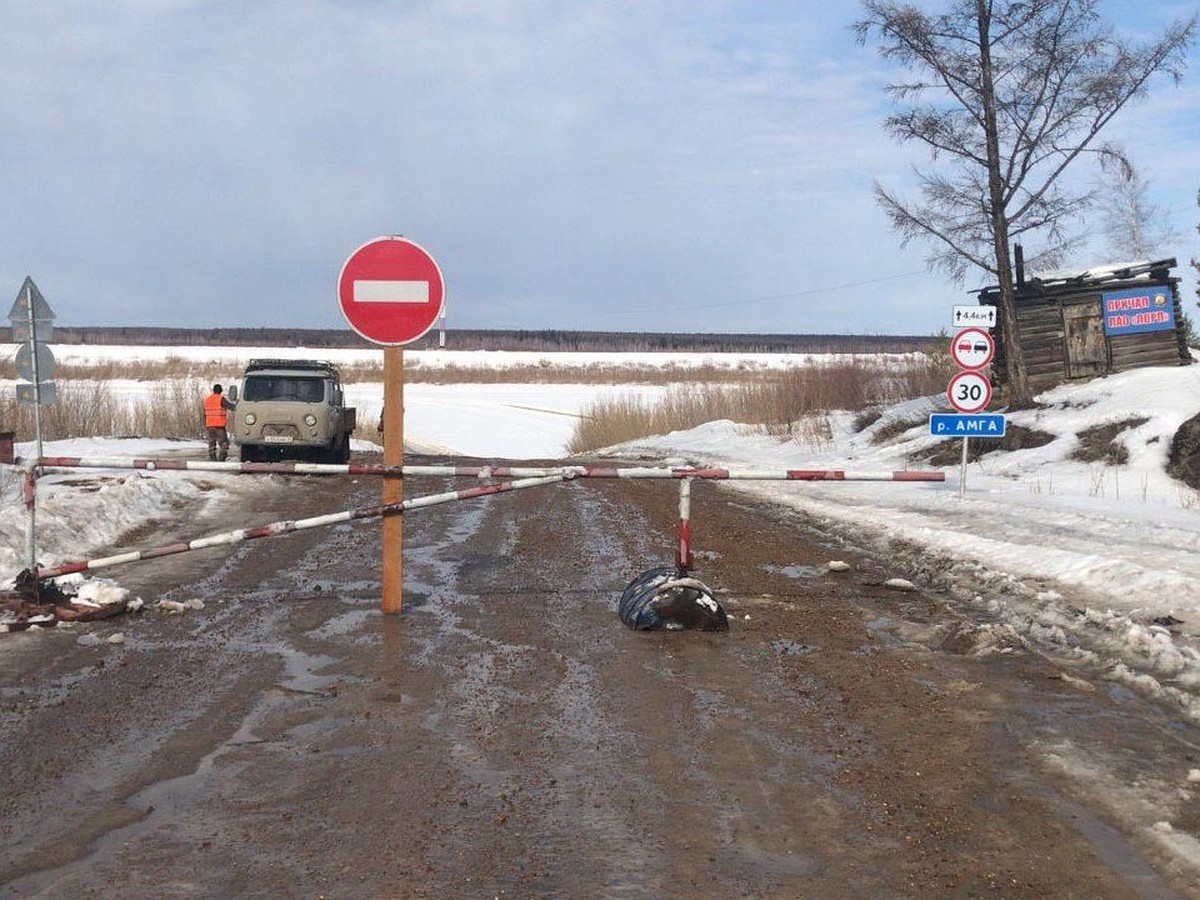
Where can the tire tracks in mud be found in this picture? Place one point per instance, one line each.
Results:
(506, 735)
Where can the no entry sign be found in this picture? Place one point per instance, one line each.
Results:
(390, 290)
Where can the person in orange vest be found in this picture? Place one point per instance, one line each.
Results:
(215, 419)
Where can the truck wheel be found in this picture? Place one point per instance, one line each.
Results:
(330, 455)
(337, 453)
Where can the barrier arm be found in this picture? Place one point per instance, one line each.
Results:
(286, 527)
(481, 472)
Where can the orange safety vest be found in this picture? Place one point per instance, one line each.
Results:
(214, 411)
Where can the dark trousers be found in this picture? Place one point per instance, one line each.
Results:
(218, 444)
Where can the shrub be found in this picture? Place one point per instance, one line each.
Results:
(794, 402)
(91, 408)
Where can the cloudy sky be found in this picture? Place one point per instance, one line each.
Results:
(681, 165)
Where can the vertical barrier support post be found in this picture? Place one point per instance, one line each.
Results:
(683, 556)
(393, 485)
(30, 491)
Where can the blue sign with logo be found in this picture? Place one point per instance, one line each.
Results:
(1135, 310)
(948, 425)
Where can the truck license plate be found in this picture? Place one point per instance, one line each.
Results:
(277, 439)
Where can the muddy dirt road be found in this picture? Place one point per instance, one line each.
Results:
(507, 736)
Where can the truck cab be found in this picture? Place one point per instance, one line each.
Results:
(291, 409)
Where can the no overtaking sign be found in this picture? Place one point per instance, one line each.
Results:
(972, 348)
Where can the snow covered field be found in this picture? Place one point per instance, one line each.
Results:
(228, 361)
(1093, 563)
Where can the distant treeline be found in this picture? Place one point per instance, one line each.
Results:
(546, 340)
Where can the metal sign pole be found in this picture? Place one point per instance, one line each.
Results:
(962, 472)
(37, 375)
(31, 483)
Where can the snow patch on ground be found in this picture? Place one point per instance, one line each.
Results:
(1083, 560)
(1095, 564)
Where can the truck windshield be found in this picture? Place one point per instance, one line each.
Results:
(284, 387)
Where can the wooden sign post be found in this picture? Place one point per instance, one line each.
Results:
(393, 485)
(391, 290)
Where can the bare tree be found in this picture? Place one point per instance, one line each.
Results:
(1135, 226)
(1006, 95)
(1196, 262)
(1190, 335)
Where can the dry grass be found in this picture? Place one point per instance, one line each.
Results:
(544, 371)
(90, 408)
(1099, 443)
(1016, 437)
(792, 403)
(612, 421)
(172, 367)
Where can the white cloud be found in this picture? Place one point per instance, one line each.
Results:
(211, 163)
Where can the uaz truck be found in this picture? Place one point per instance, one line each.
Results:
(291, 409)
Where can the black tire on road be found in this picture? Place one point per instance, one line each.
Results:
(339, 452)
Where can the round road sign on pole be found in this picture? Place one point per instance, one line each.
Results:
(390, 290)
(26, 358)
(972, 348)
(969, 392)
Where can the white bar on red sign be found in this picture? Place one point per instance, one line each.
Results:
(391, 291)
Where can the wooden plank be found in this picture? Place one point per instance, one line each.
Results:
(1042, 339)
(1047, 323)
(1054, 342)
(1029, 334)
(1043, 347)
(1045, 357)
(1145, 358)
(1163, 339)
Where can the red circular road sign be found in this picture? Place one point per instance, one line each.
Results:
(969, 392)
(972, 348)
(390, 290)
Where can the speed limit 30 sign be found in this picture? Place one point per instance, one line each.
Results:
(969, 392)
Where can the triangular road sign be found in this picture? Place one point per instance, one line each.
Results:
(27, 296)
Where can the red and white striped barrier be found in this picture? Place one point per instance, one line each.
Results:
(711, 474)
(298, 468)
(522, 477)
(285, 527)
(200, 465)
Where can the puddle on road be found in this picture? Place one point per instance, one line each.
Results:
(791, 648)
(345, 624)
(300, 670)
(163, 801)
(797, 572)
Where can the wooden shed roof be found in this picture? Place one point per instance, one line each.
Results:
(1150, 271)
